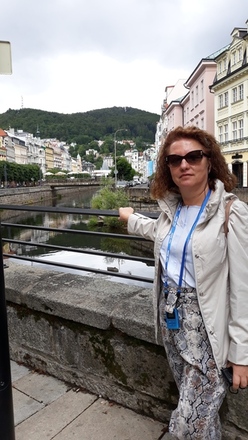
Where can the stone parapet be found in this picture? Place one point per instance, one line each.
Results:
(38, 195)
(99, 335)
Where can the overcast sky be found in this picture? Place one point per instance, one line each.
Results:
(75, 55)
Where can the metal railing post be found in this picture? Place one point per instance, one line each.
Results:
(7, 430)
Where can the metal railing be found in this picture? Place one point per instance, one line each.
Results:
(75, 211)
(6, 399)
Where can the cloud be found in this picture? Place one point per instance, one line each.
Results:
(76, 83)
(77, 55)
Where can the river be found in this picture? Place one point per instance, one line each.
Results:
(86, 242)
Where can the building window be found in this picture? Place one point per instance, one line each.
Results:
(240, 128)
(202, 89)
(241, 91)
(192, 99)
(220, 66)
(234, 58)
(240, 54)
(226, 133)
(202, 123)
(224, 63)
(226, 98)
(220, 134)
(196, 95)
(234, 94)
(220, 101)
(234, 130)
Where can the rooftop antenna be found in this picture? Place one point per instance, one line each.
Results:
(37, 131)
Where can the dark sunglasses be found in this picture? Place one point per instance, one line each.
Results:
(193, 158)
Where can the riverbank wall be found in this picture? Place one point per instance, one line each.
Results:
(38, 195)
(139, 196)
(99, 335)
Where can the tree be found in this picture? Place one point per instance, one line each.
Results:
(93, 145)
(125, 171)
(107, 146)
(17, 173)
(82, 128)
(98, 162)
(106, 198)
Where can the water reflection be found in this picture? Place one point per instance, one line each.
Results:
(77, 241)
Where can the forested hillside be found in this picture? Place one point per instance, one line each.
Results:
(82, 128)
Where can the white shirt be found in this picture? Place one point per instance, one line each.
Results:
(185, 221)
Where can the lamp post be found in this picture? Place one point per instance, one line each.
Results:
(116, 171)
(5, 176)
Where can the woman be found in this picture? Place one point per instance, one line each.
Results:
(200, 287)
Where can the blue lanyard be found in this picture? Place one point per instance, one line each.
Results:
(172, 231)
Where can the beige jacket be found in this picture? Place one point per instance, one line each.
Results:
(221, 270)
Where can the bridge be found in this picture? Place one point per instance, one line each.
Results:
(69, 184)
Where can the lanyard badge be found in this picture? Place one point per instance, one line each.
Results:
(172, 319)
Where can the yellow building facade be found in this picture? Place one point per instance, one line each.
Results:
(230, 88)
(49, 157)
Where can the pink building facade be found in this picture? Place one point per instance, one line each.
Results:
(196, 107)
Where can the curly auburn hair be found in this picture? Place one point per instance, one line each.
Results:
(162, 182)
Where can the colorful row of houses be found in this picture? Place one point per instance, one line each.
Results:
(140, 161)
(215, 98)
(24, 148)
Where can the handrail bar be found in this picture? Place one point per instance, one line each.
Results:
(74, 231)
(64, 210)
(75, 211)
(85, 269)
(80, 251)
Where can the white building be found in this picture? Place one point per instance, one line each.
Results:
(230, 88)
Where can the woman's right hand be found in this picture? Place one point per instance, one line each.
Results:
(124, 213)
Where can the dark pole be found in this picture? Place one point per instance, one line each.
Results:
(7, 430)
(5, 176)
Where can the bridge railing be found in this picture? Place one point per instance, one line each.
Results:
(52, 247)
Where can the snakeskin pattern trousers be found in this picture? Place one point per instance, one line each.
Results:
(201, 387)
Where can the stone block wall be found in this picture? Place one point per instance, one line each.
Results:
(98, 335)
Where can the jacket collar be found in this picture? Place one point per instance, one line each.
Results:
(169, 204)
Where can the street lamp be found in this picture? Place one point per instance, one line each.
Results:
(5, 176)
(116, 171)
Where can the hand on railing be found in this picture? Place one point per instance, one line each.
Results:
(124, 213)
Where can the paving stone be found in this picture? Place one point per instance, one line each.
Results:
(41, 387)
(45, 408)
(24, 406)
(109, 421)
(51, 420)
(18, 371)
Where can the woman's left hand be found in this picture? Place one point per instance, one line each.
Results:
(124, 213)
(240, 376)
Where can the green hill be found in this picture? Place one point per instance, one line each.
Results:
(82, 128)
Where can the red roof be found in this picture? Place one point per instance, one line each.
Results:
(3, 133)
